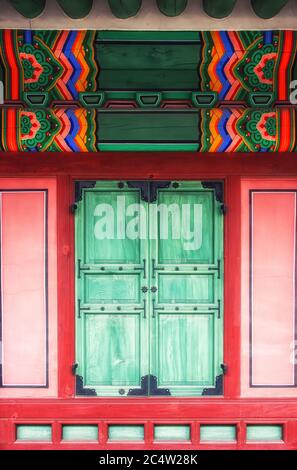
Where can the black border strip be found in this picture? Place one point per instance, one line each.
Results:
(45, 191)
(251, 192)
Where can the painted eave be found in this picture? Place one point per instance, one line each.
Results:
(149, 18)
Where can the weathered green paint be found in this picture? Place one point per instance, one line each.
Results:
(174, 36)
(139, 128)
(34, 432)
(268, 432)
(124, 8)
(144, 147)
(112, 335)
(268, 8)
(76, 9)
(186, 334)
(80, 432)
(29, 8)
(172, 7)
(164, 432)
(218, 8)
(178, 338)
(154, 62)
(123, 432)
(217, 433)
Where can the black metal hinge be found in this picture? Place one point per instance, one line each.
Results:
(83, 391)
(224, 209)
(73, 208)
(219, 384)
(74, 368)
(224, 368)
(217, 390)
(148, 189)
(79, 186)
(149, 386)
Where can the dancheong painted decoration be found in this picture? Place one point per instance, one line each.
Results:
(148, 225)
(86, 91)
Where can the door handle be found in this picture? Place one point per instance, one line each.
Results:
(144, 289)
(154, 289)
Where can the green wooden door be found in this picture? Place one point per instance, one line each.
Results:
(149, 289)
(112, 334)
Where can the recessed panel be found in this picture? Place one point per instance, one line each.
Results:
(112, 288)
(111, 227)
(126, 432)
(32, 432)
(24, 288)
(80, 432)
(217, 433)
(261, 432)
(272, 294)
(186, 288)
(164, 432)
(186, 355)
(185, 227)
(112, 349)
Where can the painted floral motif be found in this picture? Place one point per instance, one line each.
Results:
(41, 69)
(265, 68)
(258, 129)
(38, 129)
(29, 125)
(32, 69)
(256, 68)
(267, 126)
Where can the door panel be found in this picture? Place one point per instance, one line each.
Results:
(186, 288)
(111, 288)
(185, 349)
(112, 350)
(193, 246)
(112, 345)
(98, 248)
(186, 324)
(149, 288)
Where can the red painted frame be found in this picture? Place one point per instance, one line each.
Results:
(149, 411)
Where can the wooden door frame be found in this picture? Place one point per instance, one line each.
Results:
(227, 409)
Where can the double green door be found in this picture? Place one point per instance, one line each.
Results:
(149, 287)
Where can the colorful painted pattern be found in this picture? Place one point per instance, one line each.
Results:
(62, 64)
(235, 64)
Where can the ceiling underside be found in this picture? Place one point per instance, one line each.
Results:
(149, 14)
(86, 91)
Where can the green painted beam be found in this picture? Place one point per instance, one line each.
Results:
(76, 9)
(172, 7)
(29, 8)
(218, 8)
(267, 8)
(124, 8)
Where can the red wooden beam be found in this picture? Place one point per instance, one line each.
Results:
(186, 165)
